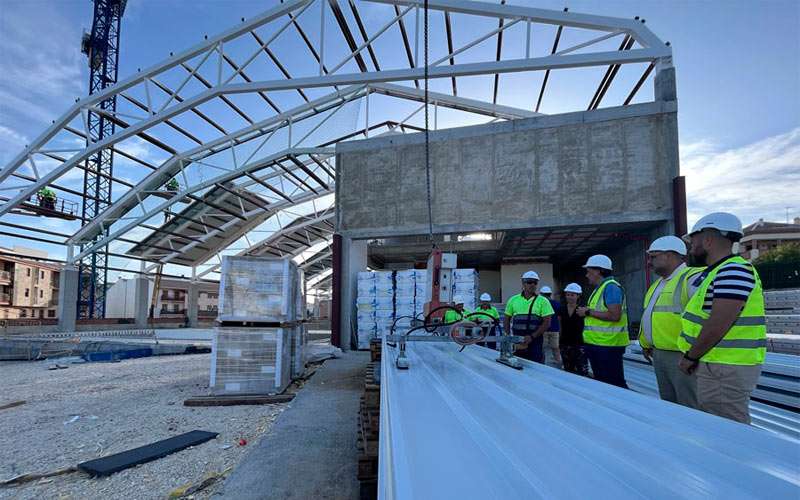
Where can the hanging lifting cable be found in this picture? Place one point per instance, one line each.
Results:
(427, 131)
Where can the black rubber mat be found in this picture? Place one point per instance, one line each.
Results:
(114, 463)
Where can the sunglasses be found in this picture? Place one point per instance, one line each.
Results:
(530, 282)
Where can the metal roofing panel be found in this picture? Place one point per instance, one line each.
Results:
(460, 425)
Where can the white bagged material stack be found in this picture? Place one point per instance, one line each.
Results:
(249, 360)
(259, 289)
(365, 308)
(465, 287)
(404, 296)
(299, 335)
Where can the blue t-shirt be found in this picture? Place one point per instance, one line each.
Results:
(612, 293)
(554, 327)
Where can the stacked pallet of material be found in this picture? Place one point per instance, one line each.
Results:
(405, 288)
(365, 308)
(421, 287)
(783, 311)
(368, 432)
(465, 288)
(384, 302)
(258, 343)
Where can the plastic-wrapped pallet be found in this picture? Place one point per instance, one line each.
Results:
(365, 335)
(299, 335)
(465, 276)
(248, 360)
(259, 289)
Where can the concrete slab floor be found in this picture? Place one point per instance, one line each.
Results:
(311, 450)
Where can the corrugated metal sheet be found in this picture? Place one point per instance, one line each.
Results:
(460, 425)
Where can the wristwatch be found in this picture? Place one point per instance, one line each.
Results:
(588, 313)
(689, 358)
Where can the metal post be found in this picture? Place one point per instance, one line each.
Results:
(321, 37)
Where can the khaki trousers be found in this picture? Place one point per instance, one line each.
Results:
(724, 390)
(673, 384)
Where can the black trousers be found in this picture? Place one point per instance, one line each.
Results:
(574, 360)
(607, 364)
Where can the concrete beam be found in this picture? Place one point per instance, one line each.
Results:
(141, 302)
(68, 289)
(193, 295)
(354, 259)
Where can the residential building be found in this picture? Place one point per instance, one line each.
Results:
(172, 300)
(761, 237)
(28, 288)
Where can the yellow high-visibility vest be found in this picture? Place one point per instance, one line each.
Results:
(746, 342)
(605, 333)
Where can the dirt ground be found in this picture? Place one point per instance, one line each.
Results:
(95, 409)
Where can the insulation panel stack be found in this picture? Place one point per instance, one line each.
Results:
(258, 344)
(465, 288)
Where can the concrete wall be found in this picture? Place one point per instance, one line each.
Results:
(606, 166)
(490, 282)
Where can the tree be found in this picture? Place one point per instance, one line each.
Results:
(785, 253)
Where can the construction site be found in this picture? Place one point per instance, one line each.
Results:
(283, 262)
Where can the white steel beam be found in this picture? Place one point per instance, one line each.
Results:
(508, 66)
(197, 187)
(140, 77)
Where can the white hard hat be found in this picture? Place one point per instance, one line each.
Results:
(601, 261)
(574, 288)
(531, 275)
(545, 289)
(721, 221)
(668, 244)
(486, 297)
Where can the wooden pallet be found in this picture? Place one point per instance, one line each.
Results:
(369, 432)
(375, 350)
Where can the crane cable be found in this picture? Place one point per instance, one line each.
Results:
(427, 131)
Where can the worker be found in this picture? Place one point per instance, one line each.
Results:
(455, 315)
(485, 308)
(551, 335)
(570, 341)
(605, 331)
(47, 198)
(484, 313)
(661, 320)
(724, 336)
(530, 315)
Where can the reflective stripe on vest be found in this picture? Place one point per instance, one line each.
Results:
(665, 319)
(745, 343)
(605, 333)
(732, 344)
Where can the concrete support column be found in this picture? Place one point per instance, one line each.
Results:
(68, 298)
(664, 84)
(354, 259)
(192, 308)
(141, 300)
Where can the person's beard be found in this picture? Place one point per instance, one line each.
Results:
(698, 259)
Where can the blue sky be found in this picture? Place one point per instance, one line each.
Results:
(737, 66)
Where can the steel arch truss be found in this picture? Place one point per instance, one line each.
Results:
(249, 118)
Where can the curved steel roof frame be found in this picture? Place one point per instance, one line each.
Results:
(190, 108)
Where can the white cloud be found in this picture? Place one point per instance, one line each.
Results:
(754, 181)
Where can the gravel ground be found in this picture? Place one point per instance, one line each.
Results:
(120, 406)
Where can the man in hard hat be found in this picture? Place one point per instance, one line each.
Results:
(551, 335)
(605, 331)
(661, 320)
(528, 315)
(455, 315)
(570, 340)
(485, 312)
(724, 335)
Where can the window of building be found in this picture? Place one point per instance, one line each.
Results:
(41, 294)
(23, 313)
(51, 313)
(28, 292)
(41, 274)
(41, 313)
(27, 271)
(175, 307)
